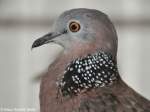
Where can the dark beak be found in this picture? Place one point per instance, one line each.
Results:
(45, 39)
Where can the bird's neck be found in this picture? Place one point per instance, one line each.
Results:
(76, 51)
(107, 66)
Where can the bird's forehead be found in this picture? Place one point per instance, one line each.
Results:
(67, 16)
(75, 13)
(80, 14)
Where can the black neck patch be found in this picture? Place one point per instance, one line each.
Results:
(92, 71)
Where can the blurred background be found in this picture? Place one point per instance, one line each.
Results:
(23, 21)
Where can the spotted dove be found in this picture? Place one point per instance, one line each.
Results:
(85, 78)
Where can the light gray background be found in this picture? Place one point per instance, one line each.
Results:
(22, 21)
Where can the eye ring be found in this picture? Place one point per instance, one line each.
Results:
(74, 26)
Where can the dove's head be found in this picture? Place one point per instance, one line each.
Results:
(82, 29)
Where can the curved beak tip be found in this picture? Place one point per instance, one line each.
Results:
(36, 43)
(33, 45)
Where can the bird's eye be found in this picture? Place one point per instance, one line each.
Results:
(74, 26)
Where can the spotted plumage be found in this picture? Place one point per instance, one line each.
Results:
(80, 32)
(92, 71)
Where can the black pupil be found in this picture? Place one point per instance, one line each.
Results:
(74, 27)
